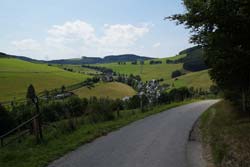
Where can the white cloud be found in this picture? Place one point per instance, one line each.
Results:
(78, 38)
(157, 45)
(122, 35)
(118, 38)
(77, 30)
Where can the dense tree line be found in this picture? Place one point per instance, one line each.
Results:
(193, 61)
(101, 69)
(221, 28)
(131, 80)
(155, 62)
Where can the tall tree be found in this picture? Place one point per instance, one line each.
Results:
(221, 27)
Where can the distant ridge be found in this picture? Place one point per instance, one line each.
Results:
(98, 60)
(84, 60)
(4, 55)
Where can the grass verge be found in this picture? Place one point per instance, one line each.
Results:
(58, 143)
(227, 132)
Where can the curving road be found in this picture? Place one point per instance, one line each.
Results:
(156, 141)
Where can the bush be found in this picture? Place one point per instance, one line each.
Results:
(6, 122)
(176, 73)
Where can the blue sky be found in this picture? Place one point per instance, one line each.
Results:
(53, 29)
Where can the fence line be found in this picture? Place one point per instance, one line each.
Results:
(17, 129)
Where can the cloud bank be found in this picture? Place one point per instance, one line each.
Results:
(78, 38)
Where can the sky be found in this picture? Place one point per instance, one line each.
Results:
(60, 29)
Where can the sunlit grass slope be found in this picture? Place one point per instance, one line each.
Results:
(78, 69)
(199, 79)
(16, 75)
(112, 90)
(156, 71)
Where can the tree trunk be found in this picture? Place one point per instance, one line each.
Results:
(118, 113)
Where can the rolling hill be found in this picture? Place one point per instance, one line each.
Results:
(96, 60)
(82, 60)
(196, 79)
(16, 75)
(200, 79)
(147, 71)
(112, 90)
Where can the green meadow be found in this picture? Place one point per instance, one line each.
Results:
(16, 75)
(146, 71)
(111, 90)
(78, 69)
(199, 79)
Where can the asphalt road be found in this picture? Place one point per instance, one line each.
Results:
(156, 141)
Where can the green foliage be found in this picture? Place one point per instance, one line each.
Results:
(221, 27)
(6, 121)
(176, 74)
(193, 61)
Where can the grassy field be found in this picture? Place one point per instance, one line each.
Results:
(227, 131)
(112, 90)
(56, 144)
(16, 75)
(156, 71)
(78, 69)
(199, 79)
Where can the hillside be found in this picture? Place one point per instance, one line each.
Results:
(197, 79)
(77, 69)
(16, 75)
(82, 60)
(200, 79)
(112, 90)
(193, 61)
(147, 71)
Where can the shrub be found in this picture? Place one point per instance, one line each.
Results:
(6, 122)
(176, 73)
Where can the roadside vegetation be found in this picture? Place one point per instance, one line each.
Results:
(227, 131)
(71, 122)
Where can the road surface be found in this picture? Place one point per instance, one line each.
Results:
(156, 141)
